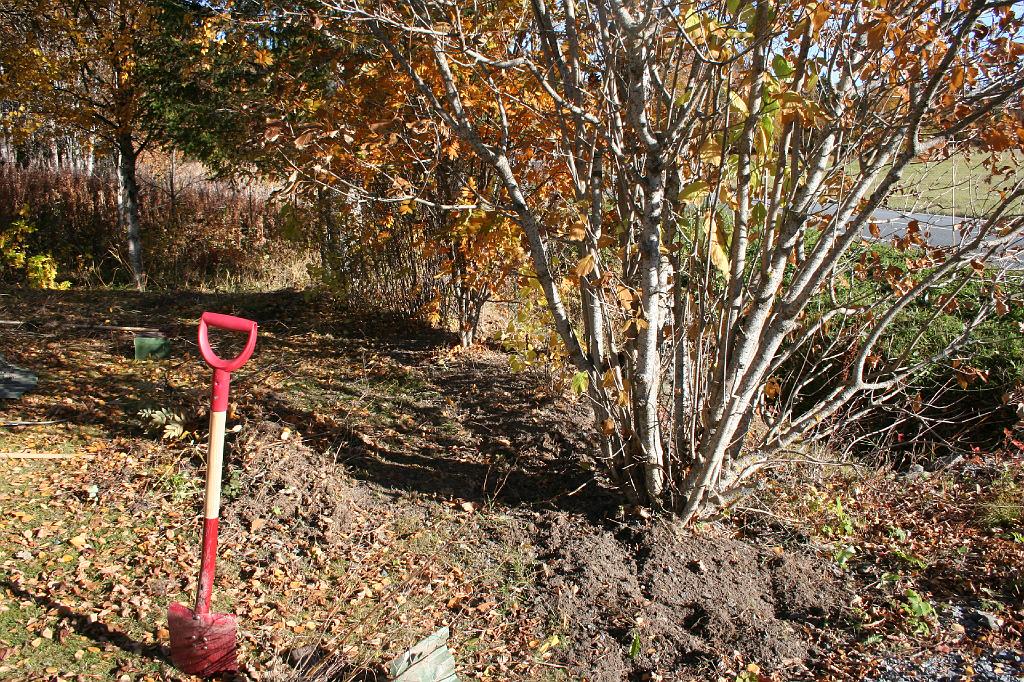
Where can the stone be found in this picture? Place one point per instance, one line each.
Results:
(990, 620)
(14, 380)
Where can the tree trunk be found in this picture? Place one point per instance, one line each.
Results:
(128, 206)
(648, 359)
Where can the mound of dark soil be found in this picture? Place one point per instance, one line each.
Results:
(281, 484)
(654, 601)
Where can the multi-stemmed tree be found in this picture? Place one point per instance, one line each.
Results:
(689, 180)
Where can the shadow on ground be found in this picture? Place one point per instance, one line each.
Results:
(97, 631)
(453, 426)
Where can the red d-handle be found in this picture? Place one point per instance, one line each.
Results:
(222, 368)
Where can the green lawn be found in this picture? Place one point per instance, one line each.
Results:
(960, 184)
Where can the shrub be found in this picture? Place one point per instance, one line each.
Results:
(38, 271)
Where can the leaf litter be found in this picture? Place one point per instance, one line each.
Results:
(387, 487)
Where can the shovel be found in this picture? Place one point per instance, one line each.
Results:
(203, 643)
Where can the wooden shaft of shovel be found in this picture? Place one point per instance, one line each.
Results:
(211, 515)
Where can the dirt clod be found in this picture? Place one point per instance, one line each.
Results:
(655, 601)
(283, 484)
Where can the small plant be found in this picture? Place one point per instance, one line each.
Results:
(12, 249)
(920, 613)
(170, 425)
(898, 533)
(182, 487)
(991, 605)
(635, 645)
(908, 558)
(233, 487)
(41, 273)
(888, 578)
(842, 524)
(843, 555)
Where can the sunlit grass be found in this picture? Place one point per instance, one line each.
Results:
(960, 185)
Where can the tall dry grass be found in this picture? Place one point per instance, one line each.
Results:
(198, 233)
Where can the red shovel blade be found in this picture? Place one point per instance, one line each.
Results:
(202, 644)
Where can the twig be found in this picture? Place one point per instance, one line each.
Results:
(33, 423)
(43, 455)
(100, 327)
(755, 510)
(115, 328)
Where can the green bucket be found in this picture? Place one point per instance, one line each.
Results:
(152, 346)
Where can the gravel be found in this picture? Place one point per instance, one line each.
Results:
(985, 665)
(1004, 665)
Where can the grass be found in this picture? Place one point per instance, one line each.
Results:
(1004, 506)
(53, 634)
(47, 650)
(402, 568)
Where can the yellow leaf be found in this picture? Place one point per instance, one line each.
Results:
(405, 208)
(792, 101)
(78, 542)
(711, 152)
(585, 266)
(761, 140)
(263, 58)
(577, 231)
(551, 641)
(694, 191)
(737, 103)
(719, 256)
(625, 296)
